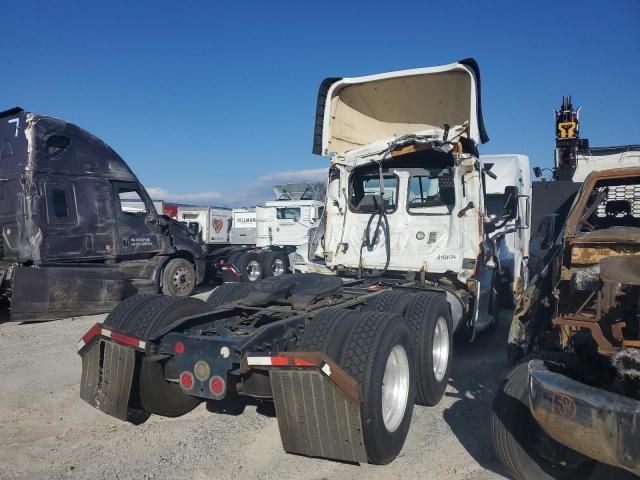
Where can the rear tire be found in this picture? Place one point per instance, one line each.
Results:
(274, 264)
(390, 301)
(514, 432)
(157, 395)
(429, 320)
(178, 278)
(379, 349)
(119, 318)
(327, 332)
(248, 265)
(226, 293)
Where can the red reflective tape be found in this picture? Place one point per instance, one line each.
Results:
(300, 362)
(93, 332)
(124, 339)
(279, 361)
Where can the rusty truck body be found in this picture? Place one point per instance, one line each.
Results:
(578, 325)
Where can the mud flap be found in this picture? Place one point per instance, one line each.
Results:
(317, 405)
(46, 293)
(107, 376)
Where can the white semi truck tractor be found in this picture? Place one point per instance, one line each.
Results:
(282, 235)
(344, 356)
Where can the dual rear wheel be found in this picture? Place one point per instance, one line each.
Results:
(254, 266)
(398, 348)
(429, 320)
(375, 348)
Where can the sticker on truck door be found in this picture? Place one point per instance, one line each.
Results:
(217, 223)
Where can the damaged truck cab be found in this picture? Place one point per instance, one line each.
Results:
(406, 191)
(68, 244)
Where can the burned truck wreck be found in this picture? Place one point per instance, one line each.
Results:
(67, 245)
(578, 398)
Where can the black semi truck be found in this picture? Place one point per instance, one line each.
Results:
(67, 245)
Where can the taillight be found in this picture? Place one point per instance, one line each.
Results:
(178, 347)
(217, 386)
(186, 380)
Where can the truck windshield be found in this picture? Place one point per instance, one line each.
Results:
(365, 193)
(288, 213)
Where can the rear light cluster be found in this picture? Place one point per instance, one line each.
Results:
(201, 373)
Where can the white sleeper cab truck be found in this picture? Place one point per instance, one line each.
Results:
(512, 237)
(282, 235)
(344, 356)
(284, 224)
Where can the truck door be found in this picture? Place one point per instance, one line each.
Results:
(138, 232)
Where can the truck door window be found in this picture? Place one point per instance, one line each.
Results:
(365, 192)
(432, 190)
(288, 213)
(131, 203)
(60, 204)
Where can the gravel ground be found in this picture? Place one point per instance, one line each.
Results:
(46, 431)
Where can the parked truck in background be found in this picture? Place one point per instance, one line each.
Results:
(282, 234)
(343, 356)
(69, 245)
(512, 238)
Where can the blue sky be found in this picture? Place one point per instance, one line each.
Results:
(211, 102)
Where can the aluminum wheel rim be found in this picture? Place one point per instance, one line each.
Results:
(440, 348)
(277, 267)
(395, 388)
(253, 270)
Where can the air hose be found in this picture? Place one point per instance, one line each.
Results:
(370, 241)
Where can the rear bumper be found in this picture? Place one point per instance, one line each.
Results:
(594, 422)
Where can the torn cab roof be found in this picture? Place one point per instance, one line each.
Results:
(353, 112)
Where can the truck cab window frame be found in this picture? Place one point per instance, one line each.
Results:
(287, 213)
(61, 204)
(364, 191)
(428, 189)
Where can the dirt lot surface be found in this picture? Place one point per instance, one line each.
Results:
(46, 431)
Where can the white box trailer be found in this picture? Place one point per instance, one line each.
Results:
(212, 224)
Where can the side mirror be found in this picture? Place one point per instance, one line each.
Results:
(296, 218)
(510, 206)
(537, 171)
(194, 227)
